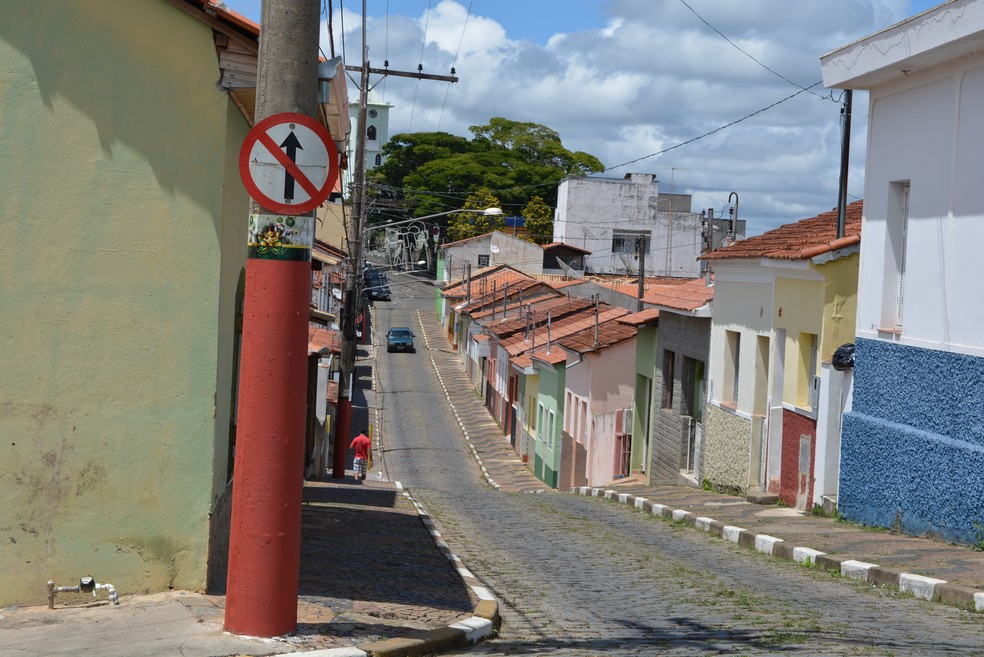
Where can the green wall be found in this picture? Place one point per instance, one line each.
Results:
(552, 383)
(117, 295)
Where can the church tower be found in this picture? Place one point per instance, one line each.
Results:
(376, 132)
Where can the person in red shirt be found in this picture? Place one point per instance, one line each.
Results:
(361, 444)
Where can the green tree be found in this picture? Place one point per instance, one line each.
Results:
(425, 173)
(469, 224)
(539, 221)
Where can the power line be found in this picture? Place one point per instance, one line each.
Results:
(454, 61)
(420, 64)
(747, 54)
(715, 130)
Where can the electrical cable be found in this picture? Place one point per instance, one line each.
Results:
(747, 54)
(420, 65)
(454, 61)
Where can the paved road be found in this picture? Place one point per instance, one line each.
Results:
(580, 576)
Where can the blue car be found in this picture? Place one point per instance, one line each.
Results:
(400, 338)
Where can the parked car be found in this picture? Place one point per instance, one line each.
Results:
(400, 338)
(377, 286)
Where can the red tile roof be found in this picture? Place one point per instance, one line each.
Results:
(608, 335)
(499, 274)
(554, 245)
(319, 338)
(798, 241)
(561, 328)
(554, 357)
(559, 307)
(689, 296)
(646, 317)
(491, 303)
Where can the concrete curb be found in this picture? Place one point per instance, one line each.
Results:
(919, 586)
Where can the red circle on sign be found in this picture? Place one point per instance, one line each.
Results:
(317, 195)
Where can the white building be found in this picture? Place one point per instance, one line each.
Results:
(613, 217)
(912, 445)
(377, 133)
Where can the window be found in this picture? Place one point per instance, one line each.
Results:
(897, 226)
(731, 361)
(483, 261)
(371, 133)
(628, 243)
(567, 416)
(379, 159)
(806, 380)
(692, 381)
(669, 359)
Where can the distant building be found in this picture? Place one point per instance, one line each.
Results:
(377, 133)
(615, 218)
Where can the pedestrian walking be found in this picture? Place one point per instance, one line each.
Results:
(362, 446)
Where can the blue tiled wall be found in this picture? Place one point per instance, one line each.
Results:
(912, 448)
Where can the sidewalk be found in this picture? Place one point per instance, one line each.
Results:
(926, 568)
(375, 578)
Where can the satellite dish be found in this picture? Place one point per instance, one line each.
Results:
(334, 327)
(494, 248)
(568, 269)
(335, 292)
(629, 267)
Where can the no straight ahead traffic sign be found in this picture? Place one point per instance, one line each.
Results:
(288, 163)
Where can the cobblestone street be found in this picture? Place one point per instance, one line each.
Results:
(581, 576)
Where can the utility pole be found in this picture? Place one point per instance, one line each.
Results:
(356, 229)
(265, 532)
(845, 163)
(352, 293)
(641, 246)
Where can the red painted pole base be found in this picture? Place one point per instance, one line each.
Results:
(343, 427)
(268, 478)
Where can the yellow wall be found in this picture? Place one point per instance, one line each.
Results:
(840, 303)
(799, 310)
(125, 222)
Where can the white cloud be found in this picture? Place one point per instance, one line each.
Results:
(651, 75)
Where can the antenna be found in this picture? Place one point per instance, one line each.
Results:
(628, 265)
(568, 270)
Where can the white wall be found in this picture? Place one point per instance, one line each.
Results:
(589, 210)
(926, 128)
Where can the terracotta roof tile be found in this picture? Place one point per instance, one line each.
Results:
(559, 306)
(689, 296)
(554, 245)
(554, 357)
(319, 338)
(561, 328)
(499, 274)
(609, 334)
(798, 241)
(642, 318)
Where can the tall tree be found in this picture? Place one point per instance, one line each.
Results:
(469, 224)
(539, 221)
(430, 172)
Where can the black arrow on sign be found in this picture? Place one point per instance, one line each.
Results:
(290, 145)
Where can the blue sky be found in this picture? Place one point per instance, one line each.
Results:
(638, 83)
